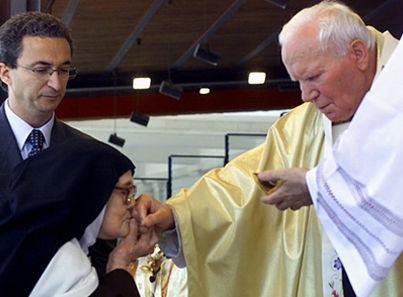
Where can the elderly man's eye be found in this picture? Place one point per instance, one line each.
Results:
(314, 77)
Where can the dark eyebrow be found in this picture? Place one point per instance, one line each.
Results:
(127, 185)
(43, 63)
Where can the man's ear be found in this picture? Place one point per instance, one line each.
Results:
(359, 53)
(5, 73)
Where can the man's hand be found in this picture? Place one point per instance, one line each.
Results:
(293, 193)
(154, 214)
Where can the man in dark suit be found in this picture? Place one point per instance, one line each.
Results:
(35, 64)
(36, 52)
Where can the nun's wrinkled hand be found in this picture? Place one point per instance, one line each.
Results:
(130, 248)
(292, 193)
(146, 242)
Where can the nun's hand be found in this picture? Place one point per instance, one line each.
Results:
(130, 248)
(146, 242)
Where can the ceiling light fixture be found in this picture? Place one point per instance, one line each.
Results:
(280, 3)
(141, 83)
(204, 91)
(256, 78)
(139, 118)
(204, 54)
(169, 89)
(113, 138)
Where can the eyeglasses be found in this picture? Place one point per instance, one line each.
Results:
(129, 194)
(43, 72)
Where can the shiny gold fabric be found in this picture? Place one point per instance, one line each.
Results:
(235, 245)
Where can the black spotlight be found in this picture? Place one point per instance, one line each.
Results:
(139, 118)
(167, 88)
(113, 138)
(205, 55)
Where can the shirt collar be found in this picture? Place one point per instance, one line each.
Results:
(22, 129)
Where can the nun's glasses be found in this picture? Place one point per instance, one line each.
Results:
(129, 194)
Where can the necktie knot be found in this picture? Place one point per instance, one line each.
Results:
(36, 139)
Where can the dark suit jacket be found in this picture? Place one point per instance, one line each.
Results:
(9, 152)
(10, 156)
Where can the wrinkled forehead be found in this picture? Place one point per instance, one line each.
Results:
(125, 180)
(299, 53)
(300, 57)
(301, 43)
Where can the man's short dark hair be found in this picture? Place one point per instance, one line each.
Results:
(28, 24)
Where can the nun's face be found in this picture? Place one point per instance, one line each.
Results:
(117, 212)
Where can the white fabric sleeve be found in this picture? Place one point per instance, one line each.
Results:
(171, 244)
(310, 179)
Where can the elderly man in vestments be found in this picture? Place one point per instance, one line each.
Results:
(234, 245)
(356, 189)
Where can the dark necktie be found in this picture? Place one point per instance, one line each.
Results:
(36, 139)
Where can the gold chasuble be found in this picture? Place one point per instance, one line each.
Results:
(235, 245)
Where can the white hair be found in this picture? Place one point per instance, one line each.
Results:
(338, 27)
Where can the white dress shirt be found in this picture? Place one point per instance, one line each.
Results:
(22, 129)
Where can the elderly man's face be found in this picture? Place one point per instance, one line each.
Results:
(334, 84)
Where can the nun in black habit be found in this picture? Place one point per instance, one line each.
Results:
(52, 208)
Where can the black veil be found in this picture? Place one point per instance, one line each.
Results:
(49, 199)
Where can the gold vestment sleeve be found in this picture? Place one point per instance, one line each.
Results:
(235, 245)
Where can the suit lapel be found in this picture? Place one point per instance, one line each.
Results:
(58, 133)
(9, 152)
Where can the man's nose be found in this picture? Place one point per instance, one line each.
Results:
(55, 81)
(308, 92)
